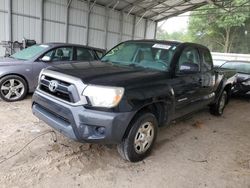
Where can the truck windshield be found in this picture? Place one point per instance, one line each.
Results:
(29, 53)
(142, 54)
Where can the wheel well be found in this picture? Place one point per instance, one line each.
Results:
(19, 76)
(228, 88)
(158, 109)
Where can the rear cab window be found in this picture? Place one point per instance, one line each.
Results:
(207, 61)
(189, 58)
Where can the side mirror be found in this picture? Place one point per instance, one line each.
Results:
(46, 59)
(189, 68)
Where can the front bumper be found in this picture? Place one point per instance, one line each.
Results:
(79, 123)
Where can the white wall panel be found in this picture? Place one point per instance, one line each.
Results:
(54, 32)
(26, 7)
(77, 35)
(114, 21)
(3, 30)
(79, 5)
(139, 28)
(97, 38)
(25, 27)
(114, 25)
(25, 19)
(113, 39)
(55, 10)
(125, 37)
(99, 10)
(3, 5)
(97, 22)
(127, 25)
(78, 22)
(26, 23)
(78, 17)
(150, 30)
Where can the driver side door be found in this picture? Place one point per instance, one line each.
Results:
(187, 82)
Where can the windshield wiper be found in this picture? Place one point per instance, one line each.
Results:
(135, 65)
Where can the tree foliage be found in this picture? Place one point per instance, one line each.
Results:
(219, 27)
(222, 29)
(177, 36)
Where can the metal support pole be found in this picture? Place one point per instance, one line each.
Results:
(121, 25)
(41, 19)
(88, 22)
(146, 29)
(9, 27)
(67, 22)
(133, 31)
(106, 27)
(155, 34)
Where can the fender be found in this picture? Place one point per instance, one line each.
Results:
(160, 97)
(223, 84)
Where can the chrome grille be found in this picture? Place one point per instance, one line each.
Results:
(64, 91)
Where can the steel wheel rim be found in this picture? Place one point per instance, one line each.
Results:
(144, 137)
(12, 89)
(222, 103)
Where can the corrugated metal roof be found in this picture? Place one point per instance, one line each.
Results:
(154, 9)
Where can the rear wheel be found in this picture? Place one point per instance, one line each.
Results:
(13, 88)
(218, 108)
(140, 140)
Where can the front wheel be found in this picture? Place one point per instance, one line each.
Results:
(141, 137)
(218, 108)
(13, 88)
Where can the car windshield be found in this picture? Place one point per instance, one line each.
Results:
(30, 52)
(238, 66)
(150, 55)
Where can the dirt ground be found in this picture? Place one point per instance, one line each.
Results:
(202, 151)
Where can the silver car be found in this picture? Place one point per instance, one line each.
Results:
(19, 73)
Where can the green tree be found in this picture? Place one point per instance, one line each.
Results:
(177, 35)
(217, 27)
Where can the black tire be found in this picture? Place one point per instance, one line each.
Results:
(218, 108)
(17, 93)
(127, 148)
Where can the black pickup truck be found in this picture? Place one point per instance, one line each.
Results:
(137, 87)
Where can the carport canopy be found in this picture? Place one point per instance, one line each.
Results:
(156, 10)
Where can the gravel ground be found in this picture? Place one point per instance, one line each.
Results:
(201, 151)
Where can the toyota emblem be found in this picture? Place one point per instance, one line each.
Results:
(53, 85)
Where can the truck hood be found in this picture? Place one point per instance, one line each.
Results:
(100, 73)
(6, 61)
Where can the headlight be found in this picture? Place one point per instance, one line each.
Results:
(40, 75)
(103, 96)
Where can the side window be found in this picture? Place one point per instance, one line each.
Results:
(83, 54)
(99, 54)
(60, 54)
(207, 60)
(189, 61)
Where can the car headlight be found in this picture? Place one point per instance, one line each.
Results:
(103, 96)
